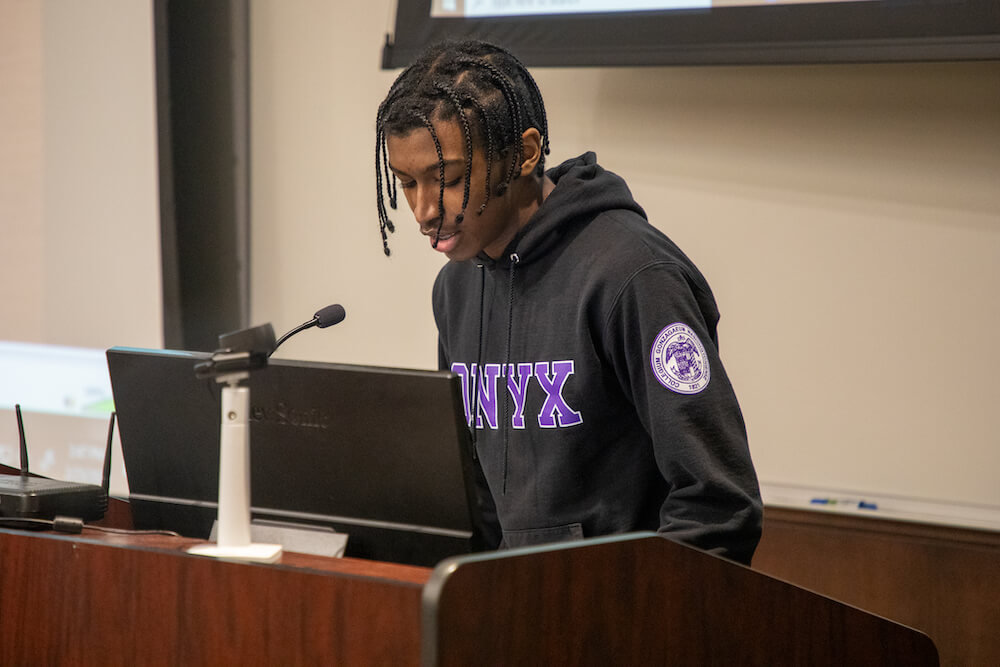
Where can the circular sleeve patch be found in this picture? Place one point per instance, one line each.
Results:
(679, 361)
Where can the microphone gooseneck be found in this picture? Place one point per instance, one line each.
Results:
(324, 317)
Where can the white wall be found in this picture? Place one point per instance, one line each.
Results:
(847, 217)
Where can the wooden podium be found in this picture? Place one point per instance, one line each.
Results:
(98, 599)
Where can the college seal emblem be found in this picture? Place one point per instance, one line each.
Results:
(679, 361)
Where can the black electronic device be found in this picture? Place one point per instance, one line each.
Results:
(704, 32)
(382, 454)
(26, 496)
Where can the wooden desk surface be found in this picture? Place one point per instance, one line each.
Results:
(352, 566)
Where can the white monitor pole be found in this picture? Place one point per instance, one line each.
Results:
(233, 535)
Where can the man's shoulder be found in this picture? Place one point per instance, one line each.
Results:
(454, 276)
(457, 270)
(624, 237)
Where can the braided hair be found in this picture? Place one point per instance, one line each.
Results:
(481, 86)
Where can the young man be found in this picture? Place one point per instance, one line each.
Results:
(584, 338)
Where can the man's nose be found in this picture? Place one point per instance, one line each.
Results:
(425, 205)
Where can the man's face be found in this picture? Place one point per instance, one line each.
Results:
(414, 160)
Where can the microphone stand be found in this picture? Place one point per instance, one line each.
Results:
(232, 368)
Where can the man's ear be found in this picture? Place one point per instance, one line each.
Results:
(531, 151)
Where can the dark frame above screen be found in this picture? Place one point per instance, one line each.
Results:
(785, 33)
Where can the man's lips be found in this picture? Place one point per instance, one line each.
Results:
(443, 241)
(442, 235)
(433, 235)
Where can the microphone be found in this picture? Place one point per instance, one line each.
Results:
(327, 317)
(324, 317)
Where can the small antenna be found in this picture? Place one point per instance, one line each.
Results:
(106, 479)
(24, 443)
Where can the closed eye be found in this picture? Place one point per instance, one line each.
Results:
(407, 184)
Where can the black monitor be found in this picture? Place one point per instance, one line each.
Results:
(381, 454)
(558, 33)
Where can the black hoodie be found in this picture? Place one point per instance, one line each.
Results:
(615, 414)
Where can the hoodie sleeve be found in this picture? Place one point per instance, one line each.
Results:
(661, 339)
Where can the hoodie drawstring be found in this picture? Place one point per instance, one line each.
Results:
(514, 259)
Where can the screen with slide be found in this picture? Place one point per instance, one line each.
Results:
(702, 32)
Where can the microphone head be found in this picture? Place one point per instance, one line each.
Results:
(327, 317)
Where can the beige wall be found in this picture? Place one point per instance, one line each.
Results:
(20, 164)
(79, 210)
(848, 218)
(79, 215)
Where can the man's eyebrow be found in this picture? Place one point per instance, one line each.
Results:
(433, 167)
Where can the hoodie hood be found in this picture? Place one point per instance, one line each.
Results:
(583, 190)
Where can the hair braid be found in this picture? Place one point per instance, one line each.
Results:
(537, 101)
(384, 223)
(536, 98)
(468, 146)
(484, 114)
(390, 178)
(437, 147)
(514, 105)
